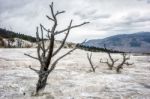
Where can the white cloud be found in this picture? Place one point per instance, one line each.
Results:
(107, 17)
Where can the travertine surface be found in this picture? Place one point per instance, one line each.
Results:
(72, 78)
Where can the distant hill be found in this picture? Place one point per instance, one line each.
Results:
(136, 42)
(10, 34)
(10, 39)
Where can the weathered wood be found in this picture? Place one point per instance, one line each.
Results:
(89, 57)
(125, 58)
(44, 54)
(112, 61)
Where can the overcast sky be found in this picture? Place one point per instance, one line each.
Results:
(106, 17)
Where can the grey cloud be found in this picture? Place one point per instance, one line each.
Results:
(82, 16)
(92, 15)
(131, 22)
(85, 15)
(137, 19)
(104, 15)
(9, 5)
(15, 9)
(148, 1)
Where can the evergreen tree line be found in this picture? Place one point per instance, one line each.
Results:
(96, 49)
(10, 34)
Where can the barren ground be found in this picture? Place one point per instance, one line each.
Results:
(72, 78)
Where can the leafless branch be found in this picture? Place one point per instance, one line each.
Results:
(89, 57)
(37, 71)
(56, 61)
(124, 62)
(52, 11)
(112, 61)
(58, 32)
(42, 40)
(47, 30)
(49, 18)
(64, 40)
(39, 45)
(31, 56)
(59, 12)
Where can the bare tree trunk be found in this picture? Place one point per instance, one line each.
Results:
(110, 67)
(118, 69)
(45, 55)
(41, 82)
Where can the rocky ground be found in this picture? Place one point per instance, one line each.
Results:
(72, 78)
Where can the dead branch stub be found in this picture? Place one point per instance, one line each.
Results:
(89, 57)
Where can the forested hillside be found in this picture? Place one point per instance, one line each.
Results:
(10, 34)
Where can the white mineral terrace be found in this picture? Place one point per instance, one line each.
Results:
(72, 78)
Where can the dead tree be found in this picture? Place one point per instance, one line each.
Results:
(124, 62)
(89, 57)
(45, 55)
(112, 61)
